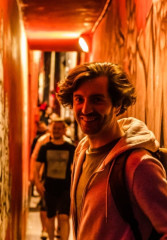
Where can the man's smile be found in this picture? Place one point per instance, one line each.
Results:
(88, 118)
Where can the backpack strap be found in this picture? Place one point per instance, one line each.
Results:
(120, 193)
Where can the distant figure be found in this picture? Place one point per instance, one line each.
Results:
(70, 128)
(41, 129)
(98, 93)
(57, 156)
(39, 140)
(45, 117)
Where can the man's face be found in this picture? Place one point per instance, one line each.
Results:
(58, 130)
(93, 107)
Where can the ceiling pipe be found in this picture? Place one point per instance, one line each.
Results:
(103, 13)
(57, 45)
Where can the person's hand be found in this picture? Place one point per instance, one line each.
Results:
(40, 188)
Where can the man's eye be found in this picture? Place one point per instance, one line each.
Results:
(97, 100)
(78, 100)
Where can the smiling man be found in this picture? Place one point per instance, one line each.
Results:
(98, 93)
(94, 112)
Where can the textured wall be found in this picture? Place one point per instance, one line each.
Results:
(5, 181)
(13, 122)
(133, 34)
(35, 69)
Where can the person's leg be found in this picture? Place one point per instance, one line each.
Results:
(43, 217)
(51, 227)
(63, 211)
(50, 202)
(57, 227)
(64, 226)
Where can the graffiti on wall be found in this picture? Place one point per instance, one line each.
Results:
(4, 149)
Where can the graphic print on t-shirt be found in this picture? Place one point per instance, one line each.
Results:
(57, 161)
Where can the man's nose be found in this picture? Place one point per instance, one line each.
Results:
(87, 107)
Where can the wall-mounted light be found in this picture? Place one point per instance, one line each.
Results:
(85, 42)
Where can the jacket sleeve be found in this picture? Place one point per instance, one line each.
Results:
(150, 191)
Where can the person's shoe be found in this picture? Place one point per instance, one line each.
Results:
(44, 235)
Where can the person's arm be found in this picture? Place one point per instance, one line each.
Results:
(38, 183)
(33, 158)
(41, 141)
(150, 191)
(40, 161)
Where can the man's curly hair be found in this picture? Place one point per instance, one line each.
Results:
(120, 89)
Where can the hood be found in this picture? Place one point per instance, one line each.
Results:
(137, 134)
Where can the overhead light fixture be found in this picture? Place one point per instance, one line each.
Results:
(85, 42)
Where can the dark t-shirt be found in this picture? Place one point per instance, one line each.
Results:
(57, 160)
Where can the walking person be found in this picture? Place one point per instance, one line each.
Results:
(98, 94)
(41, 204)
(57, 156)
